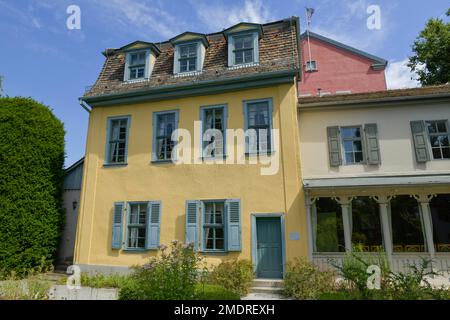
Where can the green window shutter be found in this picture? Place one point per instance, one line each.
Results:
(117, 225)
(192, 208)
(420, 140)
(334, 146)
(233, 218)
(153, 225)
(372, 145)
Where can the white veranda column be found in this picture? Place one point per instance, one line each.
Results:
(309, 202)
(424, 201)
(383, 202)
(346, 220)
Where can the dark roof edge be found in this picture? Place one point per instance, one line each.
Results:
(338, 44)
(194, 88)
(371, 101)
(74, 165)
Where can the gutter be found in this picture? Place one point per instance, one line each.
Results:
(82, 104)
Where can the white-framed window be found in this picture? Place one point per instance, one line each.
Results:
(352, 144)
(137, 65)
(137, 225)
(258, 120)
(311, 65)
(213, 130)
(243, 49)
(117, 140)
(214, 225)
(188, 57)
(164, 123)
(439, 138)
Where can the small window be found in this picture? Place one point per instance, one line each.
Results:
(259, 123)
(213, 226)
(439, 135)
(137, 65)
(117, 141)
(188, 57)
(243, 49)
(137, 222)
(213, 134)
(164, 124)
(352, 145)
(311, 65)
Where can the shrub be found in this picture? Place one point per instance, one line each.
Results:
(31, 176)
(170, 276)
(214, 292)
(235, 275)
(354, 272)
(104, 281)
(32, 288)
(414, 285)
(303, 280)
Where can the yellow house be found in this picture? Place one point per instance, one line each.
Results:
(234, 189)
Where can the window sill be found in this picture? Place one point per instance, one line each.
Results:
(187, 74)
(135, 250)
(163, 161)
(214, 253)
(243, 65)
(254, 154)
(108, 165)
(136, 80)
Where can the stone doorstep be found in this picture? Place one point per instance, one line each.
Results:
(61, 292)
(267, 286)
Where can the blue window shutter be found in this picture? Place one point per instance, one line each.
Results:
(334, 146)
(192, 208)
(233, 216)
(372, 145)
(153, 225)
(418, 130)
(117, 221)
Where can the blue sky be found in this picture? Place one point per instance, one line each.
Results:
(41, 58)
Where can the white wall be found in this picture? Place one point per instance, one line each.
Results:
(394, 133)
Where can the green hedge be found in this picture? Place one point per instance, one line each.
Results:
(31, 176)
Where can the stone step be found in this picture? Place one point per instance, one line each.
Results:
(266, 290)
(268, 283)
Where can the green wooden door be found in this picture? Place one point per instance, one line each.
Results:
(269, 263)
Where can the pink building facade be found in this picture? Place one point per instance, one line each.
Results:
(336, 68)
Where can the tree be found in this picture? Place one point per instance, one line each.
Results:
(31, 177)
(431, 59)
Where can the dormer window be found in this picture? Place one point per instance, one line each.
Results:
(244, 51)
(137, 65)
(189, 53)
(188, 57)
(140, 58)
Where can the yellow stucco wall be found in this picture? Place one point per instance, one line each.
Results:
(173, 184)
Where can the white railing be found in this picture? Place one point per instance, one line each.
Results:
(400, 261)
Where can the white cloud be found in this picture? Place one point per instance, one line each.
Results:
(142, 18)
(398, 75)
(220, 16)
